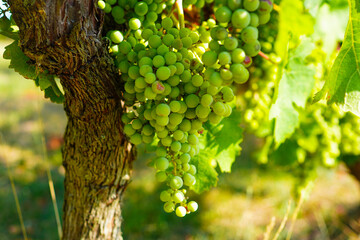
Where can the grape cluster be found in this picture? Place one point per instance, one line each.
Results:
(176, 79)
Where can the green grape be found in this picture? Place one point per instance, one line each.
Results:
(180, 211)
(162, 49)
(185, 147)
(192, 170)
(107, 8)
(136, 124)
(215, 80)
(116, 36)
(241, 74)
(178, 197)
(129, 130)
(169, 207)
(141, 8)
(226, 74)
(134, 23)
(202, 112)
(176, 182)
(254, 21)
(240, 18)
(150, 77)
(189, 180)
(234, 4)
(165, 196)
(163, 133)
(214, 118)
(230, 43)
(157, 87)
(136, 139)
(251, 5)
(158, 61)
(163, 73)
(224, 58)
(185, 158)
(197, 80)
(161, 152)
(101, 4)
(252, 49)
(167, 23)
(186, 42)
(155, 41)
(175, 146)
(193, 139)
(219, 108)
(264, 18)
(194, 37)
(206, 100)
(209, 58)
(192, 206)
(162, 121)
(223, 14)
(265, 7)
(250, 34)
(161, 163)
(175, 106)
(168, 39)
(166, 141)
(178, 135)
(161, 176)
(185, 125)
(162, 109)
(192, 101)
(151, 16)
(170, 58)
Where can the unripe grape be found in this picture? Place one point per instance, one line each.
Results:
(169, 207)
(185, 147)
(163, 109)
(223, 14)
(189, 180)
(175, 146)
(178, 135)
(192, 206)
(192, 100)
(180, 211)
(193, 139)
(178, 197)
(176, 182)
(136, 139)
(160, 152)
(129, 130)
(240, 18)
(166, 141)
(161, 163)
(219, 108)
(209, 58)
(165, 196)
(192, 170)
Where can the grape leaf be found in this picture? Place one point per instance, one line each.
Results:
(224, 140)
(206, 175)
(343, 83)
(294, 88)
(292, 20)
(330, 27)
(19, 62)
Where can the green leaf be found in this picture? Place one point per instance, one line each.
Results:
(294, 21)
(46, 82)
(18, 61)
(294, 88)
(224, 140)
(330, 27)
(343, 83)
(206, 176)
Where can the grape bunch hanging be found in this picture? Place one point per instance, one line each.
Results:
(177, 77)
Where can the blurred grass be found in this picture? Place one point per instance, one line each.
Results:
(240, 207)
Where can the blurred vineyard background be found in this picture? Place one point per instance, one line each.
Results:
(246, 202)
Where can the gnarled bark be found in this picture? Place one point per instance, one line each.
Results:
(64, 37)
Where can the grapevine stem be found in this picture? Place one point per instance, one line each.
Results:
(127, 33)
(266, 57)
(179, 6)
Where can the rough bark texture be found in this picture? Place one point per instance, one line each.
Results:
(64, 37)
